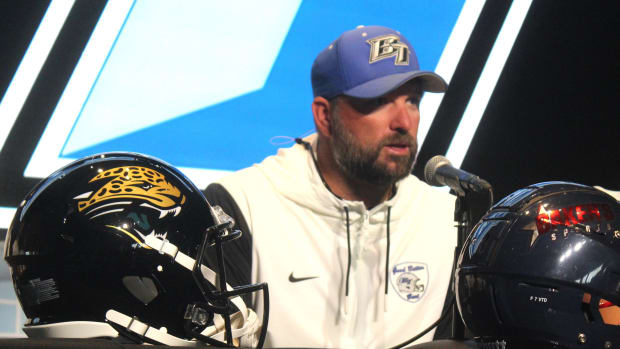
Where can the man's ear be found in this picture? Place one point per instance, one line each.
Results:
(321, 109)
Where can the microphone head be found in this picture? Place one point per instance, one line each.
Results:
(431, 168)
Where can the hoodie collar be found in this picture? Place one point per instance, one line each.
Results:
(294, 174)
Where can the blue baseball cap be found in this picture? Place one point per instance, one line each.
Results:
(368, 62)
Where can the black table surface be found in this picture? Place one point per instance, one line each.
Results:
(23, 343)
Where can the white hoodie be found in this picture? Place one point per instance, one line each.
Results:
(299, 230)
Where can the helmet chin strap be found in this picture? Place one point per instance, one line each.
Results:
(245, 334)
(143, 330)
(245, 321)
(91, 329)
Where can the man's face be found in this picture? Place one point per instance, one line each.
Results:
(375, 139)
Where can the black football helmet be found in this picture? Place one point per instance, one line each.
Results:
(542, 269)
(124, 245)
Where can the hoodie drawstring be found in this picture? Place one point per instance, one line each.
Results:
(346, 292)
(387, 258)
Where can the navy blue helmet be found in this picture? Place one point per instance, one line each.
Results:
(542, 268)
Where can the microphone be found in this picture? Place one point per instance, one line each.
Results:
(439, 172)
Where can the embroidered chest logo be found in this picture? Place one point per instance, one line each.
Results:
(410, 280)
(387, 46)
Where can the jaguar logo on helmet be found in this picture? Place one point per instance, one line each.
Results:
(122, 187)
(128, 184)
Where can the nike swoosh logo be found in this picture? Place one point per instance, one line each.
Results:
(291, 278)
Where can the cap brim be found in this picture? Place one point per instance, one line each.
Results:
(431, 82)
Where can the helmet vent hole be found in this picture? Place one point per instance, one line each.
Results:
(547, 288)
(587, 312)
(143, 288)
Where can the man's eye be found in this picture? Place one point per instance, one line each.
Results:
(367, 106)
(414, 100)
(377, 102)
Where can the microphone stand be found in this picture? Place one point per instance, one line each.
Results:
(462, 217)
(467, 209)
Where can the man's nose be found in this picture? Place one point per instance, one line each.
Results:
(403, 117)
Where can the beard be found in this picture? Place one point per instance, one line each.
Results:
(360, 161)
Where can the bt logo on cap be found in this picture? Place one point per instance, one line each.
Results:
(387, 46)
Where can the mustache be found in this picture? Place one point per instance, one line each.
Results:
(407, 139)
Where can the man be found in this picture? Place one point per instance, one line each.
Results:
(357, 251)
